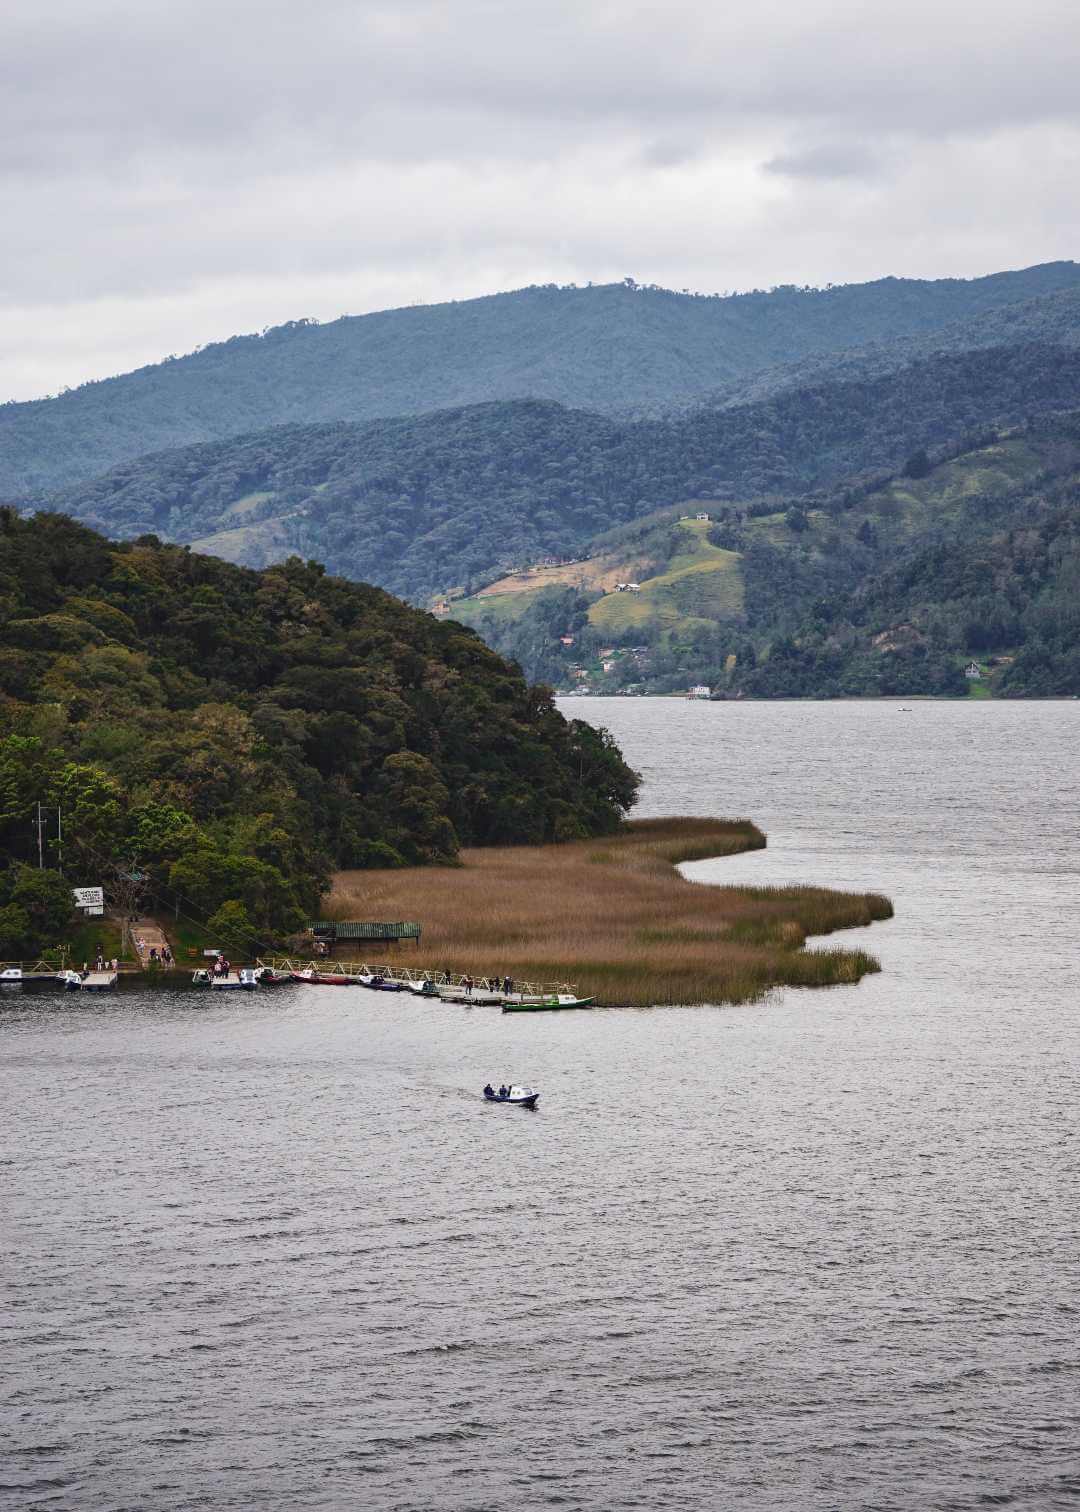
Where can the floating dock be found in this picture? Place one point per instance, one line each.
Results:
(99, 981)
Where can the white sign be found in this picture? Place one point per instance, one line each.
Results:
(89, 897)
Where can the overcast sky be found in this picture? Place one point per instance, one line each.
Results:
(176, 171)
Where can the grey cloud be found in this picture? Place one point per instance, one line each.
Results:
(181, 158)
(830, 161)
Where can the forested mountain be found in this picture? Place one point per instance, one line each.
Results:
(237, 734)
(423, 504)
(1051, 319)
(614, 349)
(887, 585)
(995, 585)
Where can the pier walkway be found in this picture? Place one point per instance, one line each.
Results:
(450, 986)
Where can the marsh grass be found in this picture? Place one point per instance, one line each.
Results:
(617, 919)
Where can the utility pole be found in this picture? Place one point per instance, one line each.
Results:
(59, 841)
(39, 822)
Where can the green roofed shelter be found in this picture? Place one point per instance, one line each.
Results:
(335, 930)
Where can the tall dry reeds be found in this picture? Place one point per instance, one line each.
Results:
(615, 917)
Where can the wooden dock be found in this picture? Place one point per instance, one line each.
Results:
(99, 981)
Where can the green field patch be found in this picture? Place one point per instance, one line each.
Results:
(502, 607)
(702, 581)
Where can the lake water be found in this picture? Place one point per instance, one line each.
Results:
(820, 1252)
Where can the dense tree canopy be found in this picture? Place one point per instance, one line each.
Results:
(236, 734)
(428, 503)
(615, 348)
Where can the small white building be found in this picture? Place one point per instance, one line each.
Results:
(973, 671)
(701, 691)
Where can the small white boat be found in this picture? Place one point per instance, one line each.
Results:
(72, 980)
(11, 974)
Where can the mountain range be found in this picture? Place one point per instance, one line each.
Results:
(614, 349)
(436, 450)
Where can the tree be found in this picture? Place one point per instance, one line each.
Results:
(231, 928)
(46, 901)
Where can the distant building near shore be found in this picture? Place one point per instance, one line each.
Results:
(973, 671)
(702, 690)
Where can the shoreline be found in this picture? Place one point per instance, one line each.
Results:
(615, 916)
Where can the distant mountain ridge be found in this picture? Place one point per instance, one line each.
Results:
(615, 349)
(425, 503)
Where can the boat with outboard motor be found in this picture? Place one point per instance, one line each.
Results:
(548, 1003)
(244, 980)
(270, 976)
(518, 1097)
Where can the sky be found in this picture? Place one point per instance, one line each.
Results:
(174, 172)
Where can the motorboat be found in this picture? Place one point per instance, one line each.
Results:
(519, 1097)
(548, 1002)
(385, 984)
(72, 980)
(246, 979)
(11, 974)
(330, 978)
(270, 976)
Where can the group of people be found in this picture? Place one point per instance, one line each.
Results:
(503, 1093)
(222, 966)
(101, 964)
(505, 985)
(162, 957)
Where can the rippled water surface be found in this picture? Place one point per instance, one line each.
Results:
(817, 1253)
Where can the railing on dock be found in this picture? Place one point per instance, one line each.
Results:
(414, 976)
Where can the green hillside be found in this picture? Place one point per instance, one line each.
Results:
(422, 504)
(237, 735)
(614, 349)
(701, 582)
(815, 594)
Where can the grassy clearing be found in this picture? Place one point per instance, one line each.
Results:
(701, 581)
(86, 935)
(617, 919)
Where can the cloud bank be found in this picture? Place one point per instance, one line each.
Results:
(174, 171)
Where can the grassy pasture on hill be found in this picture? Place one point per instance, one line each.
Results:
(702, 581)
(614, 917)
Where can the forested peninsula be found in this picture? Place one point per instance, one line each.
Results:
(234, 736)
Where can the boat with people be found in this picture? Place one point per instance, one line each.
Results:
(244, 980)
(512, 1096)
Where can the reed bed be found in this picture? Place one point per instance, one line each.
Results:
(614, 917)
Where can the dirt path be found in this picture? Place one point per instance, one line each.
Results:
(147, 935)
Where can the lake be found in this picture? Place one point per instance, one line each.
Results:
(818, 1252)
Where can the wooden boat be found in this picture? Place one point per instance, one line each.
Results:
(517, 1097)
(328, 978)
(548, 1003)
